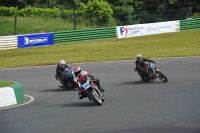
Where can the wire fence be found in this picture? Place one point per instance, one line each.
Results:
(75, 21)
(141, 17)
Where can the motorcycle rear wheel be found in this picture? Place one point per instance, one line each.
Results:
(161, 76)
(63, 85)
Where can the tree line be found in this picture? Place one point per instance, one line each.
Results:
(123, 11)
(117, 5)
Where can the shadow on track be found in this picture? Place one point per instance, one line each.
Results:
(57, 90)
(138, 83)
(78, 104)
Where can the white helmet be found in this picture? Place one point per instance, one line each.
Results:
(139, 56)
(62, 63)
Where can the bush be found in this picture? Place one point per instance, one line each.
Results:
(48, 12)
(196, 15)
(67, 15)
(8, 11)
(96, 11)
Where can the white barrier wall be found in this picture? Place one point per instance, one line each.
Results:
(8, 42)
(147, 29)
(7, 97)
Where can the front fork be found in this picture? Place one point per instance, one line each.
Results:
(88, 95)
(155, 72)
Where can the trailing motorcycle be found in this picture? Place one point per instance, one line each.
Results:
(92, 91)
(67, 79)
(152, 71)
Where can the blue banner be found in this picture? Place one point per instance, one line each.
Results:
(34, 40)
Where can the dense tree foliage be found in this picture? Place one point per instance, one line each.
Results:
(97, 11)
(123, 11)
(117, 5)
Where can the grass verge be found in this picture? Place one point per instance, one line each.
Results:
(178, 44)
(35, 24)
(4, 83)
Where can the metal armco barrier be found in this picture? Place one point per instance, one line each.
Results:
(190, 24)
(8, 42)
(83, 35)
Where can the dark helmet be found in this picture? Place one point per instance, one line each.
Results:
(77, 71)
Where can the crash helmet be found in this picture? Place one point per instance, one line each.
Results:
(139, 57)
(62, 63)
(77, 71)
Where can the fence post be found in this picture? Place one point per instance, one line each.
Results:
(76, 3)
(15, 24)
(75, 18)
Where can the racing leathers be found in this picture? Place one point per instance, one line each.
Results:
(139, 66)
(83, 75)
(59, 72)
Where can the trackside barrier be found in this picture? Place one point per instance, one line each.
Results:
(11, 95)
(11, 42)
(83, 35)
(8, 42)
(190, 24)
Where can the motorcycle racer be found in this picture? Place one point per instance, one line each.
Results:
(59, 70)
(140, 63)
(79, 75)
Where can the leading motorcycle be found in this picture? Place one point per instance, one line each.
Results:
(92, 91)
(152, 71)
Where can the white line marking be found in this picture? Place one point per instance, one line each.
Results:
(13, 106)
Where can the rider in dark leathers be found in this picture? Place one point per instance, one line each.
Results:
(59, 70)
(140, 62)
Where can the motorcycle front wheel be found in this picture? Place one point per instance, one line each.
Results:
(95, 97)
(161, 76)
(102, 97)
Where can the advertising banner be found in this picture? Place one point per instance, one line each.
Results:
(146, 29)
(33, 40)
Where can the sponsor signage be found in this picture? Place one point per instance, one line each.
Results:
(145, 29)
(33, 40)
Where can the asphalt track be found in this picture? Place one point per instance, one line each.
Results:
(130, 106)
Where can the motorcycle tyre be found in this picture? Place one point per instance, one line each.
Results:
(64, 86)
(95, 98)
(102, 97)
(140, 74)
(164, 79)
(145, 79)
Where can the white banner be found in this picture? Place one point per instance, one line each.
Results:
(146, 29)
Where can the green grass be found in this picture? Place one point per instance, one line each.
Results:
(26, 25)
(4, 83)
(178, 44)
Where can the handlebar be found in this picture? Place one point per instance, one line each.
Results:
(151, 61)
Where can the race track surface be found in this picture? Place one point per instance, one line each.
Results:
(130, 106)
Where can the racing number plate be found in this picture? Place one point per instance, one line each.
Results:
(86, 85)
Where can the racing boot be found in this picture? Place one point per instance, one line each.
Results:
(103, 90)
(97, 82)
(99, 86)
(81, 94)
